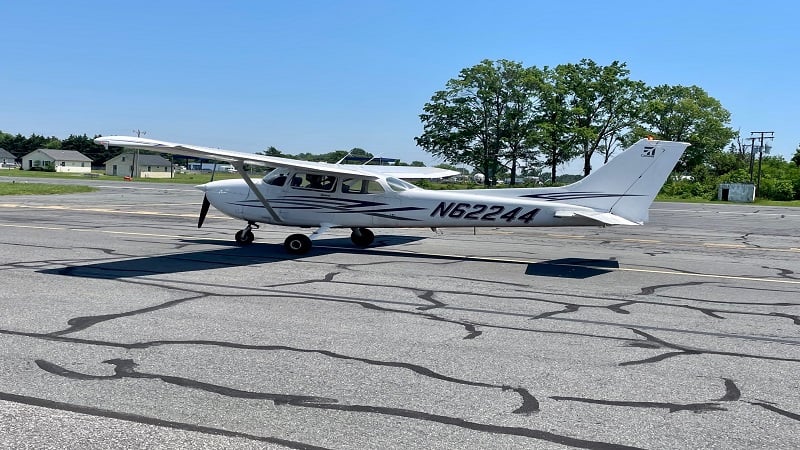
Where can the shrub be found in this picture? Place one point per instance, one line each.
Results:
(773, 189)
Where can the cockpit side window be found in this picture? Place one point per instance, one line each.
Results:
(361, 186)
(314, 181)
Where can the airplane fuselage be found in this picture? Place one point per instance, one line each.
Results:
(394, 204)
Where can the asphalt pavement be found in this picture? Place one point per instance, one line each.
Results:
(123, 325)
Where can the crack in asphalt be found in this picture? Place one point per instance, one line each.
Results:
(146, 420)
(126, 368)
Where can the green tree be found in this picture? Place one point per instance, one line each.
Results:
(87, 146)
(689, 114)
(16, 145)
(272, 151)
(796, 157)
(554, 119)
(7, 142)
(604, 103)
(519, 120)
(480, 117)
(332, 157)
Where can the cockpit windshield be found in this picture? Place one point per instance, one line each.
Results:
(399, 185)
(277, 177)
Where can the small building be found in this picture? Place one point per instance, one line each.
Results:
(7, 159)
(139, 166)
(736, 192)
(57, 161)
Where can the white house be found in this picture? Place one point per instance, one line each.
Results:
(138, 166)
(57, 160)
(7, 159)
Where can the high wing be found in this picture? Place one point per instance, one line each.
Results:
(363, 171)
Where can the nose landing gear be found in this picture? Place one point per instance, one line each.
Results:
(245, 236)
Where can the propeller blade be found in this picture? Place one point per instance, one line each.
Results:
(203, 211)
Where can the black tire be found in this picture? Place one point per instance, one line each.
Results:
(245, 237)
(362, 237)
(297, 244)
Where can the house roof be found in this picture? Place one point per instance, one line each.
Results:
(63, 155)
(153, 160)
(146, 160)
(5, 154)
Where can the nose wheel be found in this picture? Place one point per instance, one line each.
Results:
(245, 236)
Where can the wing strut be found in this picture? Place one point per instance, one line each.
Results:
(239, 166)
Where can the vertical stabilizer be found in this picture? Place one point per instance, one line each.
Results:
(627, 185)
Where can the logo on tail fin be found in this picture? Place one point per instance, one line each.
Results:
(649, 151)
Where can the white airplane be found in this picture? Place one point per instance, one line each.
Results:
(359, 197)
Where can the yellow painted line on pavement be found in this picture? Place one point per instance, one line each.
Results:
(443, 255)
(711, 244)
(104, 210)
(615, 269)
(92, 230)
(706, 275)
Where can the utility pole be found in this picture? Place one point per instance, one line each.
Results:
(763, 135)
(752, 156)
(135, 168)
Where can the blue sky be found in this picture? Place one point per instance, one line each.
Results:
(317, 76)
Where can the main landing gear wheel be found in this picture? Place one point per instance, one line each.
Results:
(244, 237)
(362, 237)
(297, 244)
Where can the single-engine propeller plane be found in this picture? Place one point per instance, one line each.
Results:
(360, 197)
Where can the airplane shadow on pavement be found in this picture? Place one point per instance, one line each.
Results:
(576, 268)
(232, 255)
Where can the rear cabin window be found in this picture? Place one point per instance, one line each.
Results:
(361, 186)
(314, 182)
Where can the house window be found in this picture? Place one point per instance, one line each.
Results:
(123, 159)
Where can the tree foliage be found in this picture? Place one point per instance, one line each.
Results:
(481, 117)
(20, 145)
(551, 132)
(604, 104)
(500, 114)
(688, 114)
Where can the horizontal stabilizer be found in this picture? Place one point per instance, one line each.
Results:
(602, 217)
